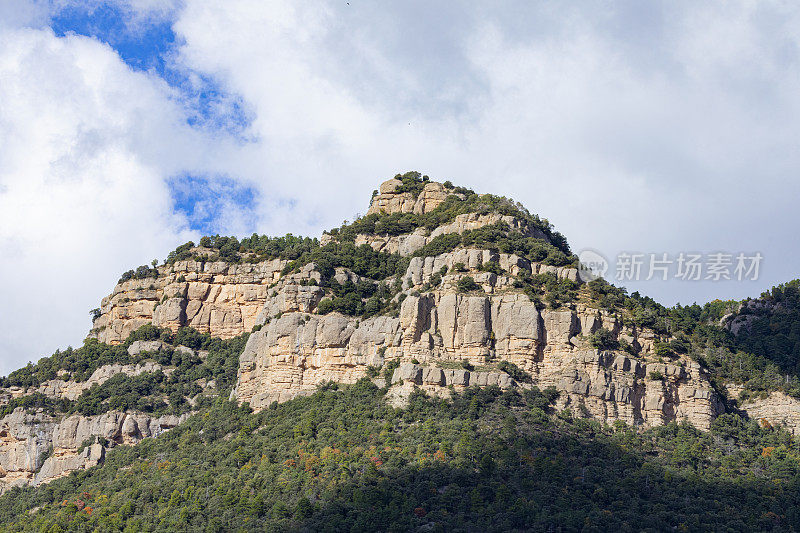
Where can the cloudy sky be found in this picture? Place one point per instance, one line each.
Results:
(129, 127)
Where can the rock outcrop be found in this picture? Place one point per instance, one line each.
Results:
(293, 354)
(226, 300)
(436, 327)
(71, 390)
(297, 349)
(219, 298)
(37, 447)
(389, 201)
(771, 410)
(409, 243)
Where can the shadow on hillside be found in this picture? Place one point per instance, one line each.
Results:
(487, 460)
(570, 484)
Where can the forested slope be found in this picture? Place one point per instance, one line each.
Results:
(486, 460)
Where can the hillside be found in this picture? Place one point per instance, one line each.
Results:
(487, 460)
(436, 364)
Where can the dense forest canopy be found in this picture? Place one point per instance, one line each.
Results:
(487, 460)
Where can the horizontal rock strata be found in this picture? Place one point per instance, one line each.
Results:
(36, 448)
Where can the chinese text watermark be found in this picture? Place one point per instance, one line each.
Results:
(684, 266)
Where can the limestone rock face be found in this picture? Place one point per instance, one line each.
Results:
(421, 269)
(291, 355)
(435, 329)
(213, 297)
(138, 347)
(777, 409)
(409, 243)
(441, 330)
(389, 201)
(36, 447)
(431, 196)
(226, 300)
(445, 377)
(748, 312)
(60, 389)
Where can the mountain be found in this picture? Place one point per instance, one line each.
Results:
(436, 364)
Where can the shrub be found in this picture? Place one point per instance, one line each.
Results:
(440, 245)
(467, 284)
(141, 272)
(680, 345)
(603, 339)
(663, 349)
(389, 370)
(491, 266)
(627, 347)
(413, 182)
(515, 372)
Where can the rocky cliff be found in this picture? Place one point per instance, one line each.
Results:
(40, 444)
(439, 330)
(37, 447)
(482, 294)
(213, 297)
(390, 200)
(439, 333)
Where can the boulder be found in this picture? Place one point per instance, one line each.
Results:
(138, 347)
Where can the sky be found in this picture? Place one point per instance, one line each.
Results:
(129, 127)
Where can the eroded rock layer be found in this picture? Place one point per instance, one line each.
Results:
(293, 354)
(219, 298)
(438, 326)
(36, 447)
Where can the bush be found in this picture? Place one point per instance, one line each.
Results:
(515, 372)
(440, 245)
(141, 272)
(603, 339)
(663, 349)
(413, 182)
(467, 284)
(389, 370)
(491, 266)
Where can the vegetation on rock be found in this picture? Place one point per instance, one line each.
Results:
(501, 238)
(486, 460)
(148, 392)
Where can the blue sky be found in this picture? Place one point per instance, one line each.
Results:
(142, 48)
(146, 46)
(132, 126)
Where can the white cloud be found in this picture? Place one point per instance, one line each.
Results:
(86, 146)
(637, 129)
(695, 150)
(18, 13)
(315, 141)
